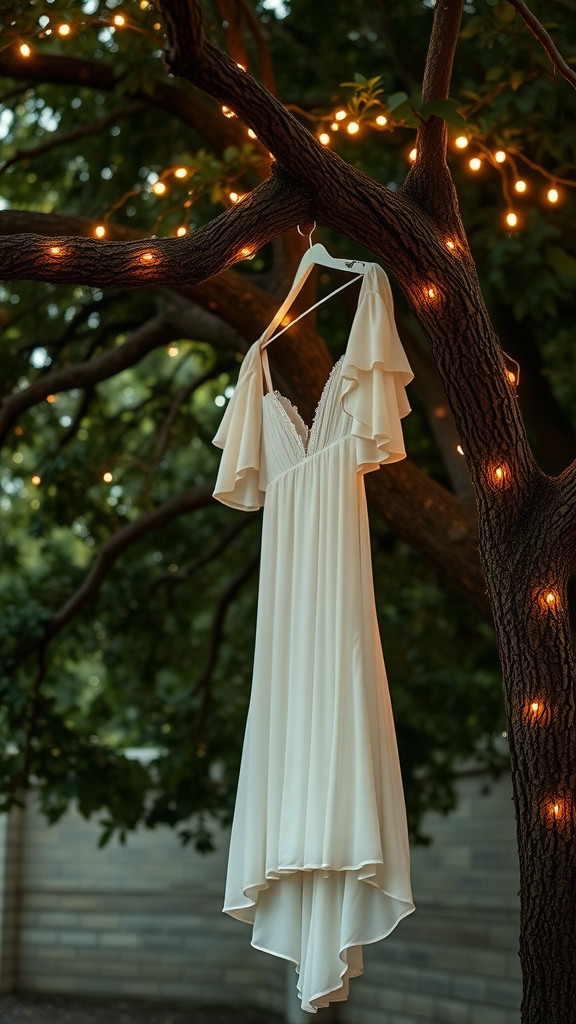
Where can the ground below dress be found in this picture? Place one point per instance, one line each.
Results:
(319, 858)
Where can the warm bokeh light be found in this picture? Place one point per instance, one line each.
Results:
(334, 126)
(36, 480)
(227, 111)
(252, 134)
(159, 188)
(553, 195)
(246, 251)
(180, 172)
(475, 163)
(233, 197)
(431, 293)
(55, 250)
(520, 185)
(107, 478)
(50, 398)
(156, 26)
(181, 231)
(324, 138)
(353, 127)
(340, 115)
(119, 20)
(147, 257)
(100, 231)
(511, 376)
(412, 155)
(64, 29)
(450, 244)
(173, 350)
(381, 120)
(461, 142)
(511, 219)
(499, 475)
(459, 449)
(25, 50)
(144, 5)
(499, 156)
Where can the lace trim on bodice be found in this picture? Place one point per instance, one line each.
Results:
(307, 446)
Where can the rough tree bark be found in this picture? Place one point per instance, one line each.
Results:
(527, 520)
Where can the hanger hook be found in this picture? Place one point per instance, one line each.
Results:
(309, 236)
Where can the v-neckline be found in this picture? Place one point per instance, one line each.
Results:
(306, 447)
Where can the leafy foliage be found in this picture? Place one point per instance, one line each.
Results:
(131, 670)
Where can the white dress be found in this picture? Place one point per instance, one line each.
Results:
(319, 858)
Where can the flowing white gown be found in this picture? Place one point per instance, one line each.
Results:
(319, 858)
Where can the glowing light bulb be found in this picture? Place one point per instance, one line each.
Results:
(159, 188)
(334, 126)
(173, 351)
(381, 120)
(233, 197)
(556, 809)
(499, 473)
(156, 26)
(324, 138)
(100, 231)
(353, 127)
(450, 244)
(553, 195)
(511, 376)
(520, 185)
(55, 250)
(511, 220)
(431, 293)
(412, 155)
(107, 477)
(227, 111)
(550, 598)
(25, 50)
(144, 5)
(119, 20)
(64, 30)
(252, 134)
(241, 66)
(475, 163)
(461, 142)
(246, 252)
(499, 156)
(147, 257)
(340, 115)
(50, 398)
(180, 172)
(181, 231)
(535, 705)
(459, 449)
(36, 480)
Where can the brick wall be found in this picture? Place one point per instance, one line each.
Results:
(145, 920)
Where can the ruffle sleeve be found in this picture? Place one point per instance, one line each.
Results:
(239, 436)
(376, 372)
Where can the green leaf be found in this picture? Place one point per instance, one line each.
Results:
(360, 79)
(396, 99)
(443, 108)
(561, 261)
(494, 74)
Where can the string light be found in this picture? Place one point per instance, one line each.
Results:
(412, 155)
(147, 257)
(156, 26)
(119, 20)
(511, 376)
(353, 127)
(173, 351)
(51, 399)
(500, 156)
(547, 599)
(159, 188)
(520, 185)
(100, 231)
(233, 197)
(459, 449)
(450, 244)
(340, 115)
(55, 250)
(241, 66)
(246, 252)
(461, 142)
(430, 292)
(324, 138)
(25, 50)
(381, 120)
(552, 195)
(475, 163)
(227, 111)
(36, 480)
(180, 172)
(64, 29)
(181, 231)
(499, 475)
(107, 478)
(334, 126)
(144, 5)
(511, 219)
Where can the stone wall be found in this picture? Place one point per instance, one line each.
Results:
(145, 920)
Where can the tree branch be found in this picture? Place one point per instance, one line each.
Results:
(546, 41)
(110, 551)
(77, 133)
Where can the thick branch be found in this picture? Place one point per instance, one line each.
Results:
(538, 30)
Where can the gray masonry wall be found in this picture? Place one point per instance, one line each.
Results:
(145, 920)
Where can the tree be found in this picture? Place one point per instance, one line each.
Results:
(525, 522)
